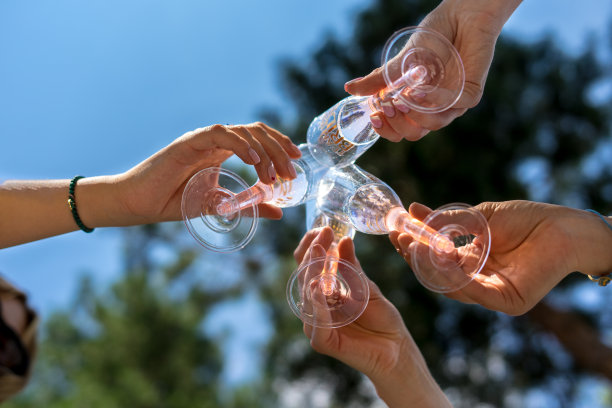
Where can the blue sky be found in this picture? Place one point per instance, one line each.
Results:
(93, 87)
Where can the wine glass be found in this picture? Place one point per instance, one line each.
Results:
(451, 245)
(327, 291)
(420, 67)
(220, 209)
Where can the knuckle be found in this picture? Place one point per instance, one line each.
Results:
(217, 127)
(259, 125)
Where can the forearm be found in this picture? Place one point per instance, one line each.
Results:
(32, 210)
(410, 384)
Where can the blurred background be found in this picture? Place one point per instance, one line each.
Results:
(144, 317)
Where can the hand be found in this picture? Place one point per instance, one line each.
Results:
(149, 192)
(533, 247)
(152, 190)
(378, 343)
(472, 27)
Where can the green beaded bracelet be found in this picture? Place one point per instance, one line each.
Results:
(73, 206)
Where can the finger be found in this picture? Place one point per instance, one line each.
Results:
(318, 236)
(346, 251)
(310, 267)
(382, 127)
(270, 211)
(219, 136)
(304, 244)
(314, 261)
(279, 156)
(325, 238)
(435, 121)
(459, 296)
(403, 243)
(437, 274)
(265, 169)
(393, 236)
(405, 126)
(368, 85)
(264, 210)
(358, 282)
(419, 211)
(285, 141)
(318, 280)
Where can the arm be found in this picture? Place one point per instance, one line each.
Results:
(533, 247)
(472, 26)
(149, 192)
(378, 343)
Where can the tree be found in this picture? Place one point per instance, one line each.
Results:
(139, 343)
(535, 115)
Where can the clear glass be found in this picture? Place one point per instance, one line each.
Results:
(327, 291)
(316, 218)
(421, 68)
(450, 246)
(220, 209)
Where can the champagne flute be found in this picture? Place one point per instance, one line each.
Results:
(327, 291)
(451, 245)
(420, 67)
(220, 209)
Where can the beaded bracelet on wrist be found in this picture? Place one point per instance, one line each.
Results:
(73, 206)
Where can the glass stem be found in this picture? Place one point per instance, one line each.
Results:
(328, 282)
(398, 219)
(257, 194)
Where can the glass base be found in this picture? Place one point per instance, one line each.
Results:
(423, 69)
(208, 192)
(444, 271)
(327, 292)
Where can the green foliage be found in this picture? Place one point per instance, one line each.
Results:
(139, 343)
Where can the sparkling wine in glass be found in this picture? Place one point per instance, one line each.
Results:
(421, 68)
(327, 291)
(451, 245)
(220, 209)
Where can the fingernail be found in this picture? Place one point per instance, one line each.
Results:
(352, 81)
(292, 170)
(424, 132)
(254, 155)
(388, 110)
(401, 106)
(296, 150)
(272, 172)
(376, 122)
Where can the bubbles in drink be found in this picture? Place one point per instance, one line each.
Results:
(288, 193)
(342, 133)
(369, 206)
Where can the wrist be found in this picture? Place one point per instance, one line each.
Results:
(409, 382)
(592, 239)
(98, 203)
